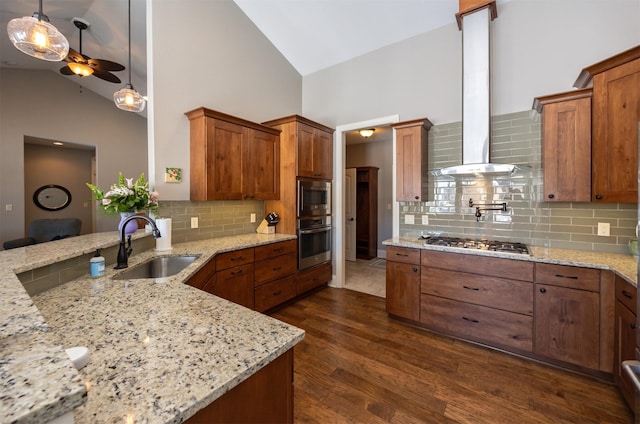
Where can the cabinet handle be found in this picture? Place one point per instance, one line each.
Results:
(572, 277)
(417, 197)
(239, 258)
(402, 254)
(551, 196)
(236, 273)
(627, 294)
(470, 319)
(543, 290)
(633, 326)
(278, 268)
(277, 292)
(471, 288)
(278, 249)
(599, 196)
(415, 269)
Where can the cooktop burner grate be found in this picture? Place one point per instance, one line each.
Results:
(483, 244)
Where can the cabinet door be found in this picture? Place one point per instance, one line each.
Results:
(224, 160)
(410, 146)
(567, 151)
(403, 290)
(236, 284)
(616, 112)
(567, 325)
(261, 169)
(625, 342)
(315, 153)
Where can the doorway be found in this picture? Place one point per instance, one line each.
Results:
(339, 191)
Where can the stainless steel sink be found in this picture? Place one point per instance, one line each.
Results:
(162, 266)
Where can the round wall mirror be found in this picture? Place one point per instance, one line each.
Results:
(52, 197)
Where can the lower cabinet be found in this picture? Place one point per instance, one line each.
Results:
(260, 278)
(625, 337)
(265, 397)
(562, 315)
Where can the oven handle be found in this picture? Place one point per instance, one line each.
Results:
(317, 230)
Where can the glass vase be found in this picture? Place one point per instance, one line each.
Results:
(131, 226)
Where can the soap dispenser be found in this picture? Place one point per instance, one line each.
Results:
(96, 267)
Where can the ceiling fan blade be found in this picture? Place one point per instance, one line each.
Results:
(74, 56)
(105, 65)
(107, 76)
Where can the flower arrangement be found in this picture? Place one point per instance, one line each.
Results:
(126, 196)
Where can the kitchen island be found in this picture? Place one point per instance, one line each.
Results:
(160, 349)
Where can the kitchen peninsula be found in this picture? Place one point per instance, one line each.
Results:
(160, 350)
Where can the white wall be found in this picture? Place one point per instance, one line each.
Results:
(208, 53)
(539, 48)
(44, 104)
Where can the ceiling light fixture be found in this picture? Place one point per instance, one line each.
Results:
(35, 36)
(127, 98)
(80, 69)
(367, 133)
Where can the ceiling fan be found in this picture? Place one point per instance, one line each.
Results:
(81, 65)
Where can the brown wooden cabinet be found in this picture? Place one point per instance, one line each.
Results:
(235, 277)
(403, 282)
(411, 160)
(231, 158)
(366, 212)
(615, 116)
(306, 150)
(566, 145)
(567, 314)
(311, 278)
(275, 270)
(625, 336)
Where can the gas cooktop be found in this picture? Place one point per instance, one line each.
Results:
(483, 244)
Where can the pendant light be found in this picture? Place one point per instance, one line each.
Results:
(127, 98)
(35, 36)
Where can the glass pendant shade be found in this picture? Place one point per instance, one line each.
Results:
(35, 36)
(80, 69)
(127, 98)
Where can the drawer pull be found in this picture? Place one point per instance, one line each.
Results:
(633, 326)
(627, 294)
(402, 254)
(470, 319)
(543, 290)
(278, 268)
(470, 288)
(277, 293)
(239, 258)
(236, 272)
(567, 276)
(415, 269)
(278, 249)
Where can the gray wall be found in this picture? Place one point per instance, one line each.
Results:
(46, 105)
(379, 154)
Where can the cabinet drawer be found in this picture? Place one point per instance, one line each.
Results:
(274, 268)
(403, 254)
(311, 278)
(477, 323)
(568, 276)
(234, 258)
(274, 293)
(500, 293)
(275, 249)
(477, 264)
(626, 294)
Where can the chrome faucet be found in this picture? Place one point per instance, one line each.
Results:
(124, 252)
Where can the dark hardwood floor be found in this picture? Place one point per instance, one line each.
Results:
(356, 365)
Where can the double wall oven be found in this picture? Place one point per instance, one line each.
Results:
(314, 222)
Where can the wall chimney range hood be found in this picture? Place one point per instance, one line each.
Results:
(474, 19)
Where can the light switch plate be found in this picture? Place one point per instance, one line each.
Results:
(604, 229)
(425, 219)
(194, 222)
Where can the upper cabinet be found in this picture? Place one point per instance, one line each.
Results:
(566, 145)
(615, 115)
(411, 157)
(232, 159)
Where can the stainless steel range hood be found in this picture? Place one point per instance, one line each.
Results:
(476, 94)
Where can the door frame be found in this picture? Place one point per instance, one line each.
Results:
(340, 152)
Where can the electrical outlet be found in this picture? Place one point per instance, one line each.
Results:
(425, 219)
(8, 207)
(408, 219)
(253, 217)
(194, 222)
(604, 229)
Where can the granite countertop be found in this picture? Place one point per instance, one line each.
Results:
(624, 265)
(160, 349)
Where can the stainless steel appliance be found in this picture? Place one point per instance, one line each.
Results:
(482, 244)
(314, 241)
(314, 198)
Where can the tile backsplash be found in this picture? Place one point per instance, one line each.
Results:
(515, 138)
